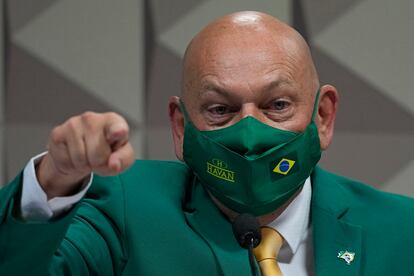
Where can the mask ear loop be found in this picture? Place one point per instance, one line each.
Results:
(188, 202)
(315, 105)
(184, 112)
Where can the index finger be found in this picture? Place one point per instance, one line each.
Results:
(116, 130)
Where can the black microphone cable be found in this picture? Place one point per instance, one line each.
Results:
(253, 267)
(246, 229)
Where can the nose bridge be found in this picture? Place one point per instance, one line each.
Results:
(250, 109)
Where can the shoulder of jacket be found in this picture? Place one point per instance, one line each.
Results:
(365, 203)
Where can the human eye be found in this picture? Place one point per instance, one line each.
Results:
(218, 110)
(219, 114)
(279, 105)
(280, 109)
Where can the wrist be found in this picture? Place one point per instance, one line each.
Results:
(54, 182)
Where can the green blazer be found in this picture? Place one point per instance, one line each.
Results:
(155, 219)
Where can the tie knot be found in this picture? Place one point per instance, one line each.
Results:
(269, 246)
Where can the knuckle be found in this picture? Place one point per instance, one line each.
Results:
(88, 115)
(112, 114)
(89, 119)
(115, 117)
(55, 136)
(71, 124)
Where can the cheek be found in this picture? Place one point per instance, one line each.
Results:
(199, 122)
(193, 112)
(301, 119)
(297, 124)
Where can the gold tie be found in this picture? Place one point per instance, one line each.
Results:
(266, 252)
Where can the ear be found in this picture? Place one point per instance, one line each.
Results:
(177, 125)
(325, 119)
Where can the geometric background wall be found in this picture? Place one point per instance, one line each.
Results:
(63, 57)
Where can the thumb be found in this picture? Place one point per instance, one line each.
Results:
(121, 159)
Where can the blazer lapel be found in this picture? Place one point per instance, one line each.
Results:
(211, 225)
(333, 236)
(337, 242)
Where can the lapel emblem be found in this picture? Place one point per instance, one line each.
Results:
(347, 256)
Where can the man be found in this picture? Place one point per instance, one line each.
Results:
(250, 125)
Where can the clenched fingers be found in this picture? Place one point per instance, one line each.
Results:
(85, 143)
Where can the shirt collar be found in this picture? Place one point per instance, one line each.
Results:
(293, 223)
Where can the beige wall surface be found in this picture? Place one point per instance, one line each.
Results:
(63, 57)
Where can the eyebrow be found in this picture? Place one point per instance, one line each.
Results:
(277, 83)
(214, 86)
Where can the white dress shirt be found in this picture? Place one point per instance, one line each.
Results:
(34, 204)
(295, 257)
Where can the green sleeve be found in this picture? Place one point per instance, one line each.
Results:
(88, 240)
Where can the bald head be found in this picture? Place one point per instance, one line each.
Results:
(242, 39)
(251, 64)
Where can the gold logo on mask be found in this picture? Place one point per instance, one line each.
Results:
(219, 169)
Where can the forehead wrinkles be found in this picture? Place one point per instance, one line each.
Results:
(242, 43)
(245, 61)
(252, 49)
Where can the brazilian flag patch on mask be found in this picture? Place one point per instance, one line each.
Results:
(284, 166)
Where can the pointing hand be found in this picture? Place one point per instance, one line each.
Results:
(90, 142)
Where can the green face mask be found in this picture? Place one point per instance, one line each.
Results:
(251, 167)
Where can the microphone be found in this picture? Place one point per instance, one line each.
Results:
(246, 229)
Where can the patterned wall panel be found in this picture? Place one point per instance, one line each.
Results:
(67, 56)
(370, 54)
